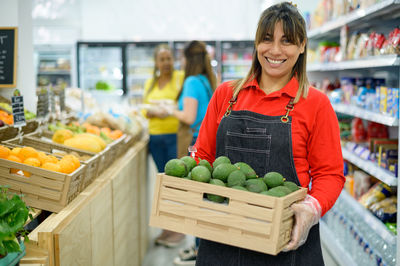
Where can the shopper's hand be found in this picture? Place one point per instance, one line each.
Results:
(159, 112)
(306, 214)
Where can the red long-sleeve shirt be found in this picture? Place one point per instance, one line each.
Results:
(315, 133)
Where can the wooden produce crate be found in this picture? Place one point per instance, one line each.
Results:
(250, 220)
(44, 189)
(92, 163)
(113, 151)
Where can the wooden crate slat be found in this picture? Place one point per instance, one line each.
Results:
(216, 217)
(21, 187)
(250, 197)
(234, 206)
(179, 206)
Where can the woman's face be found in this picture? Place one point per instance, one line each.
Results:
(277, 55)
(164, 62)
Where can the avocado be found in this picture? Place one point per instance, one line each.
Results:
(239, 188)
(273, 179)
(220, 160)
(189, 176)
(190, 162)
(206, 164)
(223, 170)
(175, 167)
(247, 170)
(216, 198)
(256, 185)
(236, 178)
(200, 173)
(279, 191)
(290, 185)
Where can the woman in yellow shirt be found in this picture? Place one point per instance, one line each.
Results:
(163, 86)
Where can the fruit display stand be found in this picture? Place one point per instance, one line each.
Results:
(92, 161)
(106, 224)
(9, 132)
(249, 220)
(43, 189)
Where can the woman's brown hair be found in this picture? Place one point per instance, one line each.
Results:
(294, 28)
(198, 62)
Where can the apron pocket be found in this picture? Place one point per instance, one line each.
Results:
(254, 141)
(256, 158)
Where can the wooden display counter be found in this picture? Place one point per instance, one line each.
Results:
(107, 224)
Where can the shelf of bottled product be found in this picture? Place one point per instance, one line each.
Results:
(336, 249)
(368, 62)
(365, 215)
(356, 17)
(365, 114)
(54, 72)
(233, 75)
(370, 167)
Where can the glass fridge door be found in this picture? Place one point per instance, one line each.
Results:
(100, 70)
(140, 62)
(236, 59)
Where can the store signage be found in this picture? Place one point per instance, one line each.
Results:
(17, 104)
(8, 57)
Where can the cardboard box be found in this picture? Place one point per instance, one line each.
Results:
(249, 220)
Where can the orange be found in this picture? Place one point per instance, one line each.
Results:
(28, 152)
(52, 158)
(14, 158)
(66, 165)
(52, 167)
(4, 152)
(42, 157)
(74, 159)
(116, 134)
(32, 162)
(15, 151)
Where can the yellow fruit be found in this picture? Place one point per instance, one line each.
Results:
(61, 135)
(83, 143)
(4, 152)
(27, 152)
(52, 158)
(98, 139)
(14, 158)
(52, 167)
(66, 165)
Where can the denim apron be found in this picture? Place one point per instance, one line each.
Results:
(265, 143)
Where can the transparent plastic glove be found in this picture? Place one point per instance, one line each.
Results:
(306, 214)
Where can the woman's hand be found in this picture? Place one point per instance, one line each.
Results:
(306, 214)
(159, 113)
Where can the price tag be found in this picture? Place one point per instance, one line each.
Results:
(17, 103)
(42, 107)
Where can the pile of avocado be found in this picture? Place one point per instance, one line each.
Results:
(223, 173)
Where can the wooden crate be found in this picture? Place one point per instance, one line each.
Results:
(34, 140)
(250, 220)
(113, 151)
(44, 189)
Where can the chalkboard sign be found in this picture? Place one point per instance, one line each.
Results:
(8, 57)
(17, 104)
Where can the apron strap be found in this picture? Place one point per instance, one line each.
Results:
(289, 107)
(232, 101)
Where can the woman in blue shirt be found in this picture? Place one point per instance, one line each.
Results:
(198, 87)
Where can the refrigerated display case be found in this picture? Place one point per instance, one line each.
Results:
(212, 49)
(236, 58)
(53, 65)
(101, 69)
(140, 65)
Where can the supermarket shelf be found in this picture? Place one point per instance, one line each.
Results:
(55, 72)
(233, 75)
(370, 167)
(237, 62)
(329, 240)
(369, 62)
(366, 114)
(364, 214)
(139, 76)
(357, 17)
